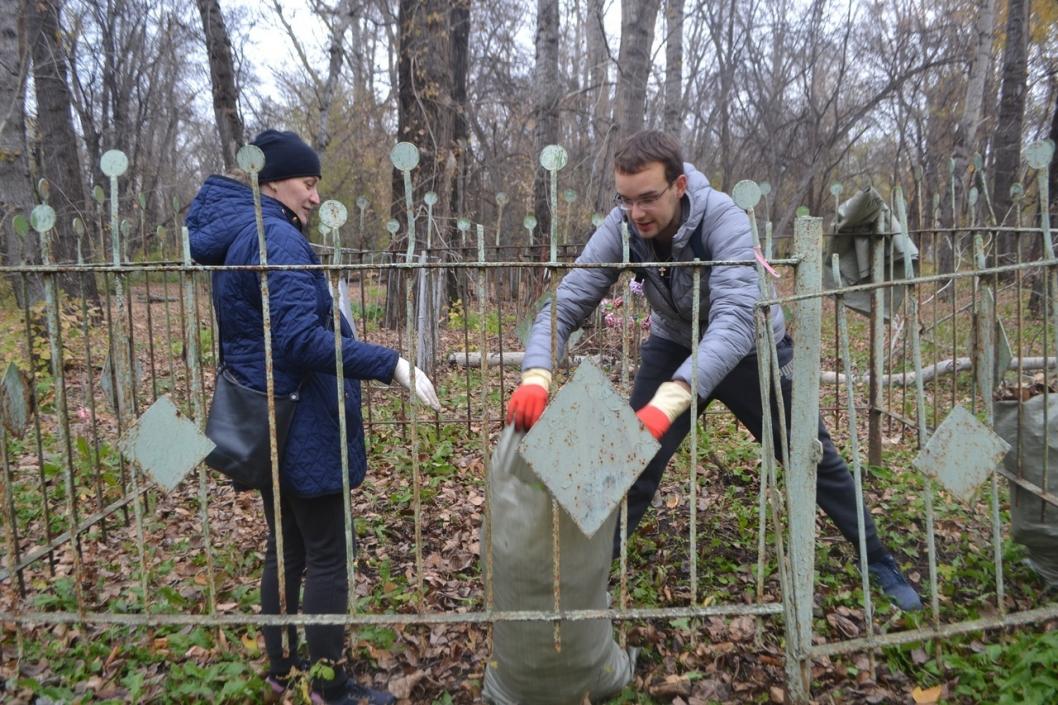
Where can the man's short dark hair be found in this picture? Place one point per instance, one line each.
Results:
(645, 147)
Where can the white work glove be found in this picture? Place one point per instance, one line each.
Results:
(423, 386)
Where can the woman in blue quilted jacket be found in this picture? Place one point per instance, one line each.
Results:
(223, 231)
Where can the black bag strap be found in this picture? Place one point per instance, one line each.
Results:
(697, 246)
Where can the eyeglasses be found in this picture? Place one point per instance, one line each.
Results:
(646, 202)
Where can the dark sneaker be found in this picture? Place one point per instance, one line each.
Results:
(276, 685)
(894, 584)
(356, 694)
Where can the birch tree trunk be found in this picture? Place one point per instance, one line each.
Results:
(966, 133)
(222, 79)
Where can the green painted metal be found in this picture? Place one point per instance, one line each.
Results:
(553, 158)
(854, 453)
(405, 157)
(165, 443)
(589, 465)
(805, 452)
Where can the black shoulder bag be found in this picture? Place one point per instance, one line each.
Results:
(238, 425)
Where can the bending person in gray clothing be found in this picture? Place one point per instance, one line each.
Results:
(673, 215)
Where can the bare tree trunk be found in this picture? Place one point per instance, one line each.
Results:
(633, 63)
(979, 70)
(424, 118)
(599, 79)
(16, 193)
(1009, 121)
(346, 16)
(633, 70)
(222, 78)
(546, 94)
(58, 142)
(673, 120)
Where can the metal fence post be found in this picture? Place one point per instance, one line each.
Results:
(805, 452)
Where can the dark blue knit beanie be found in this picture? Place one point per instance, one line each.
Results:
(286, 156)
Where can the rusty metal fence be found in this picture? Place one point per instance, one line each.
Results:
(104, 399)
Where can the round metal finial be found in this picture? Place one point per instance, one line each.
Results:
(98, 194)
(250, 158)
(42, 218)
(746, 194)
(502, 199)
(44, 189)
(463, 224)
(143, 200)
(1039, 154)
(161, 233)
(597, 219)
(392, 226)
(21, 225)
(569, 195)
(553, 157)
(429, 198)
(114, 163)
(405, 156)
(836, 188)
(918, 171)
(1016, 191)
(362, 202)
(126, 227)
(333, 214)
(78, 227)
(765, 188)
(801, 212)
(973, 196)
(979, 163)
(529, 222)
(176, 203)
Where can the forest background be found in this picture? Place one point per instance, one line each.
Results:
(798, 94)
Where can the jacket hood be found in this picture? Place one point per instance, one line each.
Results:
(693, 204)
(222, 209)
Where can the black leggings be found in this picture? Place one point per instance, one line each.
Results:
(313, 553)
(740, 392)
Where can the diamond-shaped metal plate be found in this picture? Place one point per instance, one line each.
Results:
(165, 443)
(961, 453)
(588, 448)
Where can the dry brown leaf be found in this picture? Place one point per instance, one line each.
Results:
(777, 694)
(929, 696)
(402, 687)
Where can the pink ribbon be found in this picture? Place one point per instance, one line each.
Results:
(763, 262)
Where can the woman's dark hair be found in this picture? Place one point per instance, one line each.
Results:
(645, 147)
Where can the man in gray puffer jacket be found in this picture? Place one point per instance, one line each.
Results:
(673, 215)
